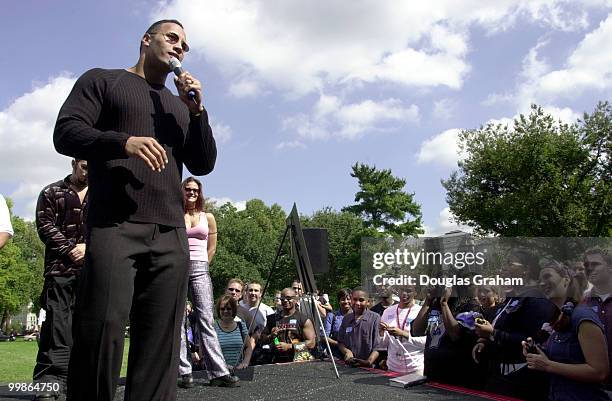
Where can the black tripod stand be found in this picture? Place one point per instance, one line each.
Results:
(304, 269)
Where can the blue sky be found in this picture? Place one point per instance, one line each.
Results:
(298, 91)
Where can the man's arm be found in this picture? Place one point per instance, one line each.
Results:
(200, 150)
(75, 134)
(309, 333)
(6, 228)
(4, 237)
(48, 232)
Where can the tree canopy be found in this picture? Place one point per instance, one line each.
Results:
(539, 178)
(383, 204)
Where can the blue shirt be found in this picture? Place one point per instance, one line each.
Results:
(361, 335)
(231, 342)
(333, 321)
(564, 347)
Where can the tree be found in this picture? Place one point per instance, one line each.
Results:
(21, 269)
(247, 244)
(383, 204)
(540, 178)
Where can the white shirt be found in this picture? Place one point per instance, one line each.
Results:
(264, 311)
(5, 218)
(404, 355)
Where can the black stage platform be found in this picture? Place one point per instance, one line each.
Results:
(300, 381)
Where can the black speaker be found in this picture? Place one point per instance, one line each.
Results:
(317, 243)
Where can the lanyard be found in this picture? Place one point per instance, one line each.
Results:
(500, 312)
(405, 319)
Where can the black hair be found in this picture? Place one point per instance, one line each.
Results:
(605, 255)
(528, 259)
(343, 293)
(361, 289)
(156, 24)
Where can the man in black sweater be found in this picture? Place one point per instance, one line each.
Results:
(135, 135)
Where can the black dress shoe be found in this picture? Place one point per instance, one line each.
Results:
(225, 381)
(186, 381)
(45, 397)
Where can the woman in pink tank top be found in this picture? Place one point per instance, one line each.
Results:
(202, 235)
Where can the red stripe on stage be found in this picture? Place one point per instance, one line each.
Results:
(463, 390)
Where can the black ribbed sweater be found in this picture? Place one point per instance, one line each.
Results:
(103, 110)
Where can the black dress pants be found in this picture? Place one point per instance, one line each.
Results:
(136, 271)
(57, 299)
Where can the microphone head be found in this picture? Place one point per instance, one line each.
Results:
(174, 63)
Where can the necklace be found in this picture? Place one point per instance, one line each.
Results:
(405, 319)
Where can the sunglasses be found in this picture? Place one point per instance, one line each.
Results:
(286, 299)
(194, 190)
(234, 290)
(173, 38)
(225, 308)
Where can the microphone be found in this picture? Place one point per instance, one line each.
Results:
(177, 68)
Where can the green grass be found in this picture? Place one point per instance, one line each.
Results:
(19, 357)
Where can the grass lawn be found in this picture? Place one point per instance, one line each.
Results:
(19, 357)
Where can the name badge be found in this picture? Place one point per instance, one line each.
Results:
(292, 321)
(349, 329)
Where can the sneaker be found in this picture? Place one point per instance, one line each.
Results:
(186, 381)
(225, 381)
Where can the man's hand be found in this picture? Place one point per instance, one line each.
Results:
(477, 350)
(77, 254)
(361, 362)
(149, 150)
(446, 295)
(348, 355)
(484, 330)
(396, 332)
(185, 83)
(382, 327)
(283, 347)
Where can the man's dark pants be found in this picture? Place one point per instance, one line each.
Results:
(136, 271)
(57, 299)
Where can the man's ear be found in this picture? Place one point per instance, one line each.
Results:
(146, 40)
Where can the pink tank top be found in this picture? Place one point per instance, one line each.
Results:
(198, 240)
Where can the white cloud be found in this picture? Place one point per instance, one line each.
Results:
(589, 67)
(331, 118)
(240, 205)
(442, 149)
(29, 159)
(443, 109)
(446, 222)
(301, 47)
(290, 145)
(244, 88)
(222, 132)
(565, 114)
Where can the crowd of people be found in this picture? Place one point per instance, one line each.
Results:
(544, 340)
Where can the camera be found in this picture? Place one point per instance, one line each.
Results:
(531, 348)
